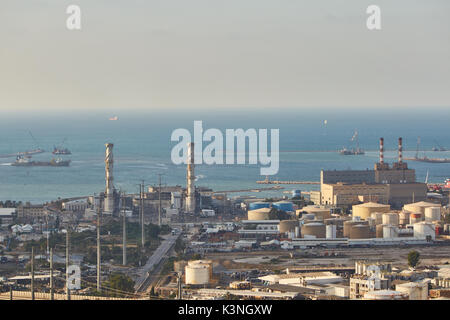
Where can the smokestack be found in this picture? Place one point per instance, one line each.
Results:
(190, 186)
(381, 150)
(400, 150)
(109, 162)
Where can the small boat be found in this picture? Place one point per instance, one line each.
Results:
(115, 118)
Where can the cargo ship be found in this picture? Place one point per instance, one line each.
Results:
(26, 162)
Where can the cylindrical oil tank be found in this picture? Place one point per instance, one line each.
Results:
(259, 214)
(432, 214)
(424, 229)
(390, 231)
(415, 218)
(197, 274)
(359, 231)
(403, 218)
(258, 205)
(366, 209)
(390, 218)
(316, 229)
(348, 225)
(288, 225)
(321, 213)
(418, 207)
(284, 206)
(330, 231)
(379, 231)
(378, 216)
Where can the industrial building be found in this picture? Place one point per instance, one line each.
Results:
(394, 185)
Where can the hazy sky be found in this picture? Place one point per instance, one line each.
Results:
(147, 54)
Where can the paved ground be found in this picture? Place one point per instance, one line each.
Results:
(155, 259)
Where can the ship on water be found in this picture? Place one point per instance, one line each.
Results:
(353, 151)
(60, 150)
(22, 161)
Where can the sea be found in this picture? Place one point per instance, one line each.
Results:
(309, 141)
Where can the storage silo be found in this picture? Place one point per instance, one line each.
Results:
(321, 213)
(364, 210)
(360, 231)
(197, 273)
(348, 225)
(403, 218)
(390, 218)
(288, 225)
(424, 229)
(313, 229)
(419, 207)
(378, 216)
(432, 214)
(390, 231)
(330, 231)
(258, 205)
(285, 206)
(258, 214)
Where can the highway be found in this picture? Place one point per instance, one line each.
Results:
(145, 272)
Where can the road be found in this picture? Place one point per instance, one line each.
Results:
(154, 260)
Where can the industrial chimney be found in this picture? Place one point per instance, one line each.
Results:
(381, 151)
(190, 186)
(400, 150)
(109, 192)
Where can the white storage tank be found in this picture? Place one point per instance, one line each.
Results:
(331, 231)
(198, 272)
(432, 214)
(390, 231)
(390, 218)
(424, 229)
(378, 216)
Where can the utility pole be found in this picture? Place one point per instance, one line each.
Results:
(51, 275)
(32, 273)
(142, 215)
(10, 292)
(67, 262)
(180, 292)
(124, 240)
(98, 250)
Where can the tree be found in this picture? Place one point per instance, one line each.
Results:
(120, 284)
(413, 258)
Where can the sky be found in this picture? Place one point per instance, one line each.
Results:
(216, 54)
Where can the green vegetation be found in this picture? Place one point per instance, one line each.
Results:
(118, 285)
(413, 258)
(276, 214)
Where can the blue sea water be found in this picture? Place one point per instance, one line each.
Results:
(142, 147)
